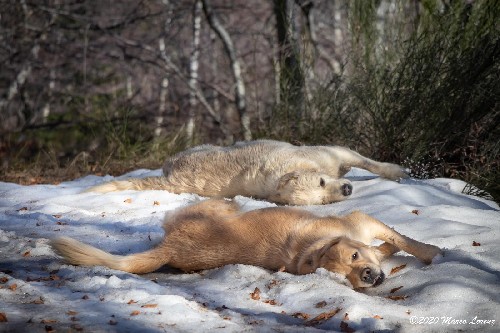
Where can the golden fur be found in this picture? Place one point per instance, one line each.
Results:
(270, 170)
(214, 233)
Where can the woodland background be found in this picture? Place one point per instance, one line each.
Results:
(110, 86)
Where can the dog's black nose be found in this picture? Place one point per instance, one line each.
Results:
(371, 277)
(346, 189)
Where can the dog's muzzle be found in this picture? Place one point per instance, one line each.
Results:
(346, 190)
(370, 277)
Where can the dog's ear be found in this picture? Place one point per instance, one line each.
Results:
(311, 257)
(286, 178)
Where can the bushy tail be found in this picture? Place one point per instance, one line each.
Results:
(138, 184)
(78, 253)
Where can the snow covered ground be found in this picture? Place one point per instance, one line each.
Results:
(39, 293)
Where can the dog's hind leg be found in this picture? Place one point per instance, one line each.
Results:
(77, 253)
(350, 158)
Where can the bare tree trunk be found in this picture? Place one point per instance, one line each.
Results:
(214, 23)
(291, 76)
(193, 69)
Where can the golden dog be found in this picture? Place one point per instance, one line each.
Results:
(214, 233)
(271, 170)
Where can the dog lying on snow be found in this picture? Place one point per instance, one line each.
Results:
(216, 232)
(264, 169)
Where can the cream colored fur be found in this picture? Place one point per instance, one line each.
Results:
(271, 170)
(214, 233)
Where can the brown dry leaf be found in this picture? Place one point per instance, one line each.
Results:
(4, 279)
(377, 317)
(323, 317)
(344, 327)
(397, 297)
(135, 313)
(22, 209)
(271, 302)
(301, 315)
(346, 316)
(415, 211)
(149, 306)
(61, 223)
(13, 287)
(131, 302)
(129, 200)
(48, 321)
(394, 270)
(272, 284)
(156, 203)
(408, 312)
(474, 243)
(26, 254)
(3, 317)
(320, 305)
(38, 301)
(256, 294)
(57, 216)
(71, 313)
(393, 290)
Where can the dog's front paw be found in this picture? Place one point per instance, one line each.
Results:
(429, 253)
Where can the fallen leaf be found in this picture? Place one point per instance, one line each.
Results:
(71, 313)
(135, 313)
(397, 297)
(48, 321)
(394, 270)
(256, 294)
(26, 254)
(57, 216)
(393, 290)
(61, 223)
(156, 203)
(301, 315)
(3, 317)
(129, 200)
(320, 305)
(474, 243)
(85, 297)
(323, 316)
(149, 306)
(271, 302)
(22, 209)
(346, 316)
(344, 327)
(4, 279)
(131, 302)
(272, 284)
(408, 312)
(13, 287)
(38, 301)
(377, 317)
(415, 211)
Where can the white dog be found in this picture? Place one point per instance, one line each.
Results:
(271, 170)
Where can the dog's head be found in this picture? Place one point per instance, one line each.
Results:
(358, 262)
(306, 187)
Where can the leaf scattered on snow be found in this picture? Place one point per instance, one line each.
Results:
(135, 313)
(394, 270)
(301, 315)
(149, 306)
(397, 297)
(393, 290)
(256, 294)
(474, 243)
(323, 317)
(3, 317)
(129, 200)
(320, 305)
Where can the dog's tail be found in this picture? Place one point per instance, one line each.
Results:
(78, 253)
(138, 184)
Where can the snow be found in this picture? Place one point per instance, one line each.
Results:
(39, 293)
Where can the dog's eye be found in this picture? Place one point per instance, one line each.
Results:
(321, 182)
(355, 256)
